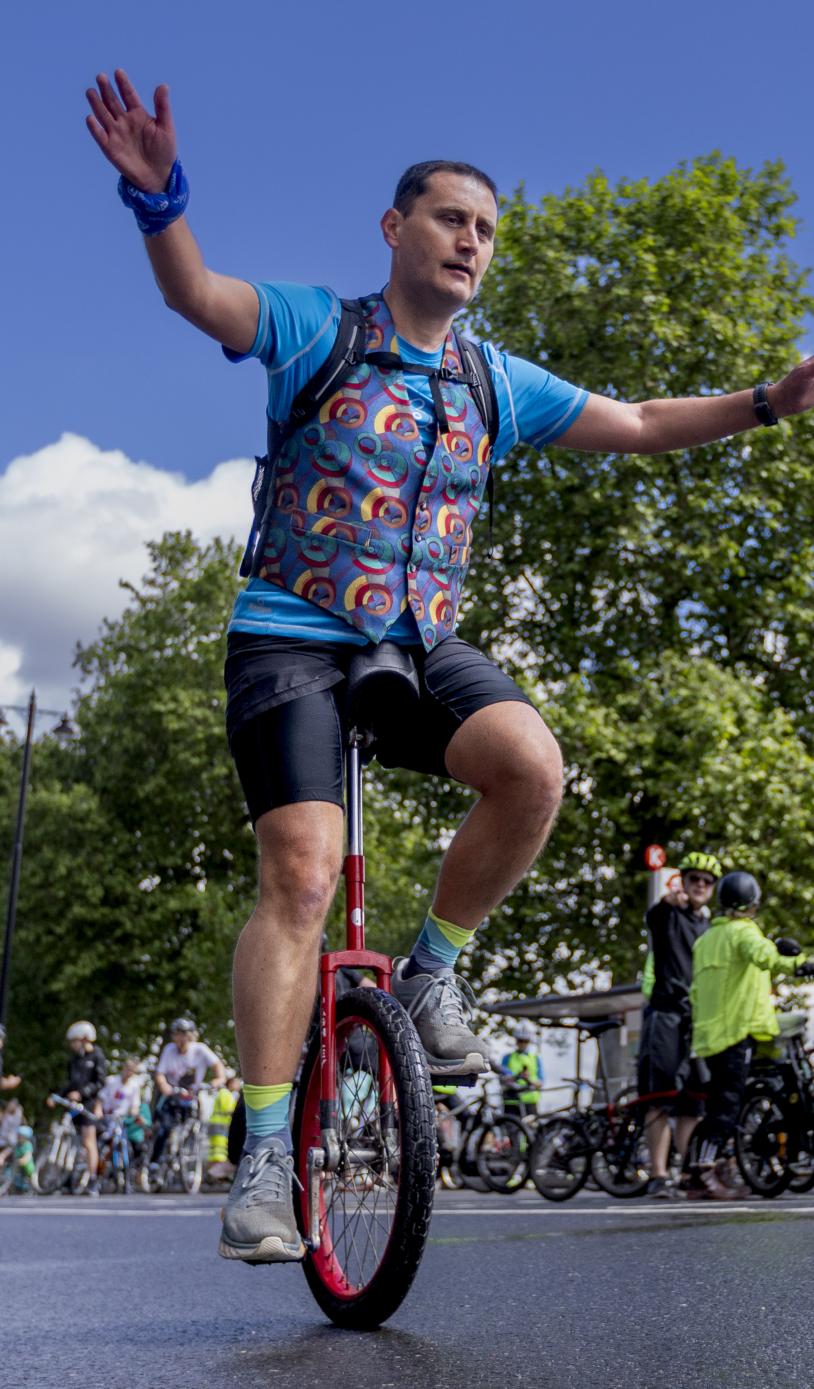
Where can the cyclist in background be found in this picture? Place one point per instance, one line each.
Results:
(675, 924)
(523, 1063)
(87, 1073)
(181, 1070)
(731, 995)
(121, 1094)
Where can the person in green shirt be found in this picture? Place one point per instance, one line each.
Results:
(733, 964)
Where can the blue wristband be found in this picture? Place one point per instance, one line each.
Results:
(156, 211)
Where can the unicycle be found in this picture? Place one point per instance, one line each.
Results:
(364, 1117)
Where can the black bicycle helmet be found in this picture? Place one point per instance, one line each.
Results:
(738, 891)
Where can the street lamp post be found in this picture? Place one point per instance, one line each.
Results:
(64, 728)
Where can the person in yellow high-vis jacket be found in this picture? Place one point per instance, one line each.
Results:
(731, 999)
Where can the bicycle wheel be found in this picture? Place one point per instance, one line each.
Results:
(48, 1175)
(80, 1173)
(190, 1158)
(762, 1144)
(560, 1159)
(621, 1165)
(374, 1209)
(502, 1154)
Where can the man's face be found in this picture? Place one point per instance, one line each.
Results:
(698, 887)
(181, 1040)
(443, 245)
(77, 1045)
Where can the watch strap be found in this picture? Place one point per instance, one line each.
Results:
(760, 403)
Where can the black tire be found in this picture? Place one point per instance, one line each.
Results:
(48, 1176)
(361, 1290)
(80, 1173)
(620, 1166)
(502, 1153)
(190, 1160)
(560, 1159)
(761, 1144)
(237, 1133)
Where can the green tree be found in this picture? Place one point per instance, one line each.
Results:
(682, 286)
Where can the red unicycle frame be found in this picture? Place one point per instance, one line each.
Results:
(364, 1120)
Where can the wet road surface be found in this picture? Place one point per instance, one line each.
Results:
(129, 1293)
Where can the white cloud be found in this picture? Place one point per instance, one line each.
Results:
(74, 520)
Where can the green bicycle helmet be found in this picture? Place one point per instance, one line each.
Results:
(701, 862)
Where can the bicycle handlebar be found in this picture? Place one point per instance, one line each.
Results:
(74, 1108)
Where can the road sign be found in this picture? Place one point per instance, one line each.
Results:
(655, 857)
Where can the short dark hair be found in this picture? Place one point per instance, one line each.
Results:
(413, 181)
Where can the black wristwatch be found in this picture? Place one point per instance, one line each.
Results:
(762, 408)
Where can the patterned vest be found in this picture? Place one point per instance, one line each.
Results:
(360, 520)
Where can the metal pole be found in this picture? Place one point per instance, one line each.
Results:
(16, 858)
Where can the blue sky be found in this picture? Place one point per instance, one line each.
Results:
(294, 122)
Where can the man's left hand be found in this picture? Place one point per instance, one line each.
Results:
(794, 393)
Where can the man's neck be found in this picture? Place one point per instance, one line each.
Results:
(423, 327)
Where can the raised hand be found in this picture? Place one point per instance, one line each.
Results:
(140, 146)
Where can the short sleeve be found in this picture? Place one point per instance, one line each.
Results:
(296, 329)
(535, 407)
(291, 320)
(164, 1059)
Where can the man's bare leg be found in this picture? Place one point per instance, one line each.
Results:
(275, 966)
(659, 1134)
(274, 982)
(507, 754)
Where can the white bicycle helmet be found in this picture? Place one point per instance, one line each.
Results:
(81, 1032)
(524, 1031)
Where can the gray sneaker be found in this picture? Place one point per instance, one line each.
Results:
(439, 1005)
(259, 1225)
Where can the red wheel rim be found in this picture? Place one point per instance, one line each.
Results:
(357, 1204)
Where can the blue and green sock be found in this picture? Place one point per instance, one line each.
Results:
(438, 946)
(267, 1114)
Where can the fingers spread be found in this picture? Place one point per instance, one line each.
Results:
(129, 95)
(98, 133)
(163, 114)
(109, 96)
(99, 109)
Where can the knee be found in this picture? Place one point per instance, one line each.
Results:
(298, 888)
(532, 775)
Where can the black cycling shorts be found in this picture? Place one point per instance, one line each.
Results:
(284, 714)
(665, 1062)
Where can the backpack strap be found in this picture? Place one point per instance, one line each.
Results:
(347, 352)
(483, 390)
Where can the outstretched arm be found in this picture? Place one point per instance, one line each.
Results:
(143, 148)
(657, 426)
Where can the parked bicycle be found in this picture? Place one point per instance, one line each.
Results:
(606, 1140)
(774, 1140)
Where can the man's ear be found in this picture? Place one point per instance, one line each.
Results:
(391, 227)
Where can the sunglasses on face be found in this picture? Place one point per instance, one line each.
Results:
(700, 880)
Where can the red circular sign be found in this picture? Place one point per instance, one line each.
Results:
(654, 856)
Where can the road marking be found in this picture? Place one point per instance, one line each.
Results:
(623, 1208)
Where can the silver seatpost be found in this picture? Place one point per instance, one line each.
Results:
(356, 742)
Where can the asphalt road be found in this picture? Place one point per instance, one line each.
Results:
(129, 1293)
